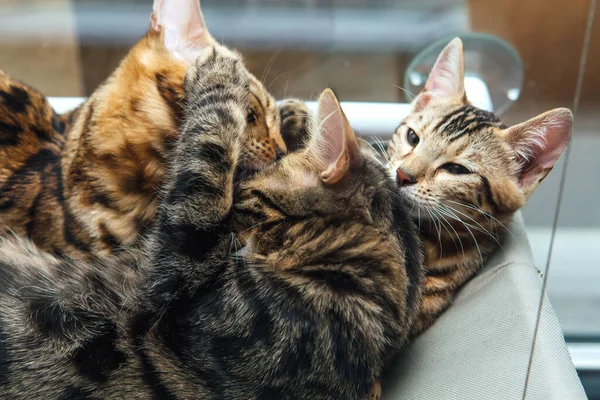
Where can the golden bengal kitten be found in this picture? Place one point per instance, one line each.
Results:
(86, 183)
(466, 174)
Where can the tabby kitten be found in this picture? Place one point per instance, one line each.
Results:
(465, 175)
(86, 183)
(308, 297)
(463, 172)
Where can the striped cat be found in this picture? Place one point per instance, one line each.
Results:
(466, 174)
(463, 172)
(301, 282)
(86, 183)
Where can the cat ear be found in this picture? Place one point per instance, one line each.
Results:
(334, 143)
(184, 31)
(538, 144)
(447, 78)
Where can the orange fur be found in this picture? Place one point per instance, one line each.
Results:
(100, 189)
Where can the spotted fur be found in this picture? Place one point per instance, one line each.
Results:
(288, 286)
(86, 183)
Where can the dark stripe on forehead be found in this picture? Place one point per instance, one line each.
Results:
(464, 121)
(488, 195)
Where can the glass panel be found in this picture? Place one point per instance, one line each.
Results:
(362, 49)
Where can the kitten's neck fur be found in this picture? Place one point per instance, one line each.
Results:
(454, 253)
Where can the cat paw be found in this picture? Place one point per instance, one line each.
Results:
(295, 123)
(217, 66)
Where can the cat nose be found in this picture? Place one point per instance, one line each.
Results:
(403, 179)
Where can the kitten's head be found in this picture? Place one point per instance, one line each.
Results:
(178, 27)
(447, 152)
(334, 181)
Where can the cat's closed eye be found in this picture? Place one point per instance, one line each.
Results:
(412, 138)
(455, 169)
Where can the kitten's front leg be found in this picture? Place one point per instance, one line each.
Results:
(199, 193)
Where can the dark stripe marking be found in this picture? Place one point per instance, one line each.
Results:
(17, 101)
(488, 195)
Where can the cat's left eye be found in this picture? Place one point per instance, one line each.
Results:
(455, 169)
(412, 138)
(251, 118)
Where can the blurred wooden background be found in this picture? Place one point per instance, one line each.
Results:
(548, 34)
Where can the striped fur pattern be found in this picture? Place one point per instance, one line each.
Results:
(86, 183)
(461, 217)
(465, 174)
(280, 287)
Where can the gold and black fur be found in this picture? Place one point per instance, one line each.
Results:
(86, 183)
(302, 282)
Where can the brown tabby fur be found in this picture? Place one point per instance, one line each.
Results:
(455, 248)
(85, 184)
(313, 301)
(462, 216)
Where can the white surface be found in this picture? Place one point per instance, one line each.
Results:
(64, 104)
(481, 347)
(586, 356)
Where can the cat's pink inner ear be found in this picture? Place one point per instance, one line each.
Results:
(185, 34)
(334, 143)
(539, 144)
(421, 101)
(447, 78)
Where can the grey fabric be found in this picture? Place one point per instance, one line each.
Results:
(480, 348)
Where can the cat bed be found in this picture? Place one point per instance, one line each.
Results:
(480, 348)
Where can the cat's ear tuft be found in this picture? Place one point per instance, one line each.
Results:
(447, 78)
(333, 143)
(183, 28)
(538, 144)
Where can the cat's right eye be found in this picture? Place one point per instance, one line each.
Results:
(412, 138)
(456, 169)
(251, 118)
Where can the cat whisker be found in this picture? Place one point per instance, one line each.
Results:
(273, 81)
(481, 227)
(236, 256)
(285, 88)
(406, 91)
(268, 67)
(253, 226)
(439, 231)
(450, 234)
(454, 216)
(375, 155)
(381, 146)
(484, 213)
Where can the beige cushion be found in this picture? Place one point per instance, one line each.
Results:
(480, 348)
